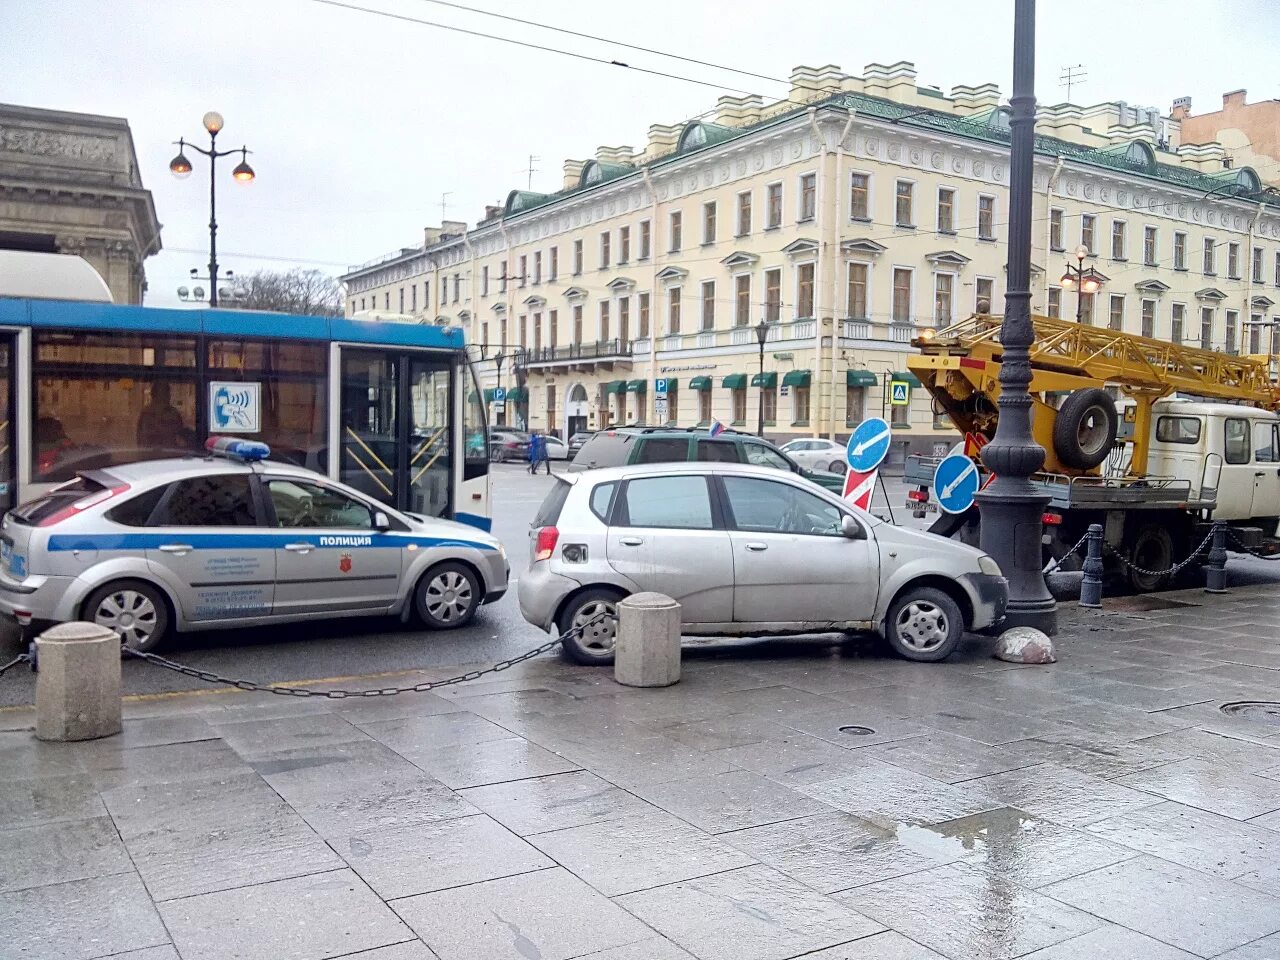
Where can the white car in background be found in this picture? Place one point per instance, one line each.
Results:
(815, 453)
(557, 449)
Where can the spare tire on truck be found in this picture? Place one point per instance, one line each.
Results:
(1085, 430)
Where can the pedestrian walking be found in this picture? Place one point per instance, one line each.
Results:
(544, 454)
(535, 443)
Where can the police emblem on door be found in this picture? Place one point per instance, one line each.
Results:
(344, 564)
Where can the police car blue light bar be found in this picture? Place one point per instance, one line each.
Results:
(248, 451)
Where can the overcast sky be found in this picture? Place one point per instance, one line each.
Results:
(359, 123)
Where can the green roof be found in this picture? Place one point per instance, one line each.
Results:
(518, 395)
(797, 378)
(734, 381)
(616, 386)
(860, 378)
(767, 380)
(489, 394)
(700, 383)
(637, 386)
(907, 375)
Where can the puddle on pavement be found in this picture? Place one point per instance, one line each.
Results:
(995, 835)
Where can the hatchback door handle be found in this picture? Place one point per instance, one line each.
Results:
(631, 541)
(300, 547)
(1261, 473)
(758, 547)
(177, 548)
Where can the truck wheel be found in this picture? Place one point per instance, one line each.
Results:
(1152, 550)
(1085, 430)
(923, 624)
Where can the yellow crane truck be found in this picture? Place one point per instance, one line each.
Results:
(1153, 440)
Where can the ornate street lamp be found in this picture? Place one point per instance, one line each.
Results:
(1084, 280)
(762, 334)
(181, 168)
(1012, 507)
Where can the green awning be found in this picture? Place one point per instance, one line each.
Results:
(767, 380)
(797, 378)
(734, 381)
(860, 378)
(637, 386)
(700, 383)
(616, 386)
(908, 376)
(518, 395)
(488, 394)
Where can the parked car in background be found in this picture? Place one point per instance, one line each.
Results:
(233, 540)
(576, 441)
(746, 551)
(637, 445)
(557, 449)
(815, 453)
(508, 445)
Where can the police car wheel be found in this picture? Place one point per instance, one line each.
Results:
(136, 611)
(447, 597)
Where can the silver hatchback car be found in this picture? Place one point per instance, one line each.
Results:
(746, 551)
(231, 541)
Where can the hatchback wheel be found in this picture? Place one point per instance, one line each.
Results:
(924, 624)
(447, 596)
(589, 626)
(136, 611)
(837, 466)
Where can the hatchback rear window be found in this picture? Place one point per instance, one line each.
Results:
(34, 512)
(664, 450)
(553, 503)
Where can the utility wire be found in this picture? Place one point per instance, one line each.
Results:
(616, 43)
(524, 43)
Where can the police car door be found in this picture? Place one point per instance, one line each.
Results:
(330, 558)
(210, 545)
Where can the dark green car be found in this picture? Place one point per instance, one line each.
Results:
(630, 445)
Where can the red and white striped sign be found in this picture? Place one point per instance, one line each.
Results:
(858, 487)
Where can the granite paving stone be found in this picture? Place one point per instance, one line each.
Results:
(795, 759)
(409, 950)
(654, 949)
(1111, 943)
(437, 730)
(1061, 795)
(889, 795)
(554, 803)
(152, 733)
(402, 861)
(116, 766)
(854, 727)
(835, 851)
(1249, 753)
(548, 915)
(401, 798)
(638, 852)
(22, 755)
(37, 800)
(300, 774)
(1210, 786)
(253, 739)
(373, 709)
(1089, 752)
(492, 761)
(730, 801)
(889, 945)
(1194, 838)
(947, 757)
(308, 918)
(992, 727)
(1269, 820)
(643, 760)
(79, 920)
(754, 913)
(56, 853)
(964, 913)
(148, 953)
(1267, 948)
(717, 733)
(1185, 908)
(1145, 698)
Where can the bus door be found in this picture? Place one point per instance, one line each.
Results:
(395, 428)
(8, 453)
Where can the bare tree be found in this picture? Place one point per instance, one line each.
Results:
(310, 292)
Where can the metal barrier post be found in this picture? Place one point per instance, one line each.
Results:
(1091, 586)
(1215, 572)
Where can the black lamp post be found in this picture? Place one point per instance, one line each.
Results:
(180, 167)
(1012, 507)
(762, 334)
(1084, 280)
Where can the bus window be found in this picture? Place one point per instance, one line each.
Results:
(430, 440)
(107, 398)
(473, 427)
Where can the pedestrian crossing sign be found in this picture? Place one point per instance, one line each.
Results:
(899, 393)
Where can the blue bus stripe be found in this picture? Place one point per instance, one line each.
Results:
(249, 541)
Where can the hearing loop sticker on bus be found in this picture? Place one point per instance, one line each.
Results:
(235, 406)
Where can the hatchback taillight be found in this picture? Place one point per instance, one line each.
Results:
(545, 543)
(84, 503)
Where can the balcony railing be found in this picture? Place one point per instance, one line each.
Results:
(597, 350)
(857, 330)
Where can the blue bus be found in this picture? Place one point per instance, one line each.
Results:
(390, 408)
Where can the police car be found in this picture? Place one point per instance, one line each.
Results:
(233, 540)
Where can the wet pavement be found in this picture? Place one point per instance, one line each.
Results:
(811, 798)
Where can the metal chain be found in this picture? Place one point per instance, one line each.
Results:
(1250, 550)
(252, 685)
(1062, 559)
(21, 658)
(1172, 571)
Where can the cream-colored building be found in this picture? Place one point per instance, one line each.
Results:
(849, 217)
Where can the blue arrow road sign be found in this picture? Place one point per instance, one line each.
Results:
(955, 483)
(868, 445)
(660, 387)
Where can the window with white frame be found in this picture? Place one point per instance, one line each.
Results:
(577, 258)
(673, 310)
(484, 281)
(800, 406)
(986, 218)
(606, 242)
(675, 227)
(709, 222)
(1257, 265)
(1088, 232)
(1233, 261)
(859, 196)
(708, 304)
(1232, 319)
(856, 304)
(1179, 251)
(1116, 318)
(1206, 328)
(773, 295)
(1055, 230)
(704, 406)
(537, 267)
(742, 299)
(523, 277)
(1277, 277)
(804, 290)
(1055, 302)
(903, 204)
(554, 265)
(1177, 324)
(646, 239)
(984, 289)
(744, 213)
(901, 295)
(943, 292)
(808, 197)
(604, 320)
(1149, 246)
(773, 206)
(1148, 318)
(855, 403)
(1118, 229)
(1210, 257)
(946, 210)
(1084, 305)
(624, 245)
(624, 319)
(642, 309)
(738, 398)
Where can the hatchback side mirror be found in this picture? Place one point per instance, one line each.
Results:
(381, 522)
(852, 529)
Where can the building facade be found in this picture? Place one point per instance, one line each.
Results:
(1249, 132)
(69, 183)
(848, 219)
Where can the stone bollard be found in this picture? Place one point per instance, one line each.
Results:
(78, 683)
(647, 653)
(1215, 571)
(1091, 585)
